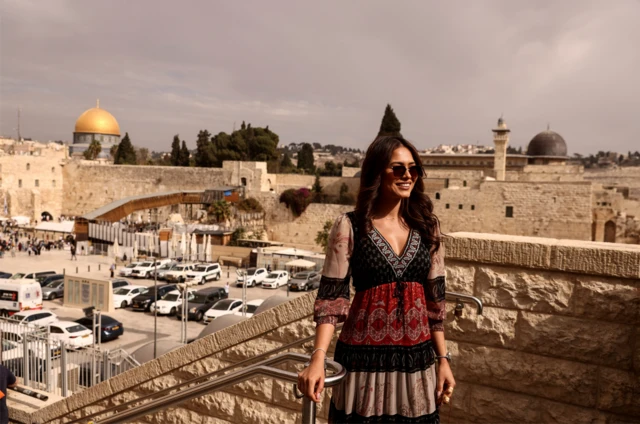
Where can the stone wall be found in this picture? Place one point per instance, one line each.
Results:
(558, 342)
(623, 177)
(560, 210)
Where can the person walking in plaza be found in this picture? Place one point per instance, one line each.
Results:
(112, 270)
(226, 288)
(7, 379)
(73, 252)
(392, 343)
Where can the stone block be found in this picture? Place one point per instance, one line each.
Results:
(257, 388)
(202, 367)
(550, 378)
(213, 420)
(491, 405)
(636, 351)
(562, 413)
(249, 349)
(178, 416)
(217, 404)
(619, 392)
(495, 327)
(460, 277)
(528, 290)
(607, 299)
(577, 339)
(596, 258)
(249, 411)
(294, 331)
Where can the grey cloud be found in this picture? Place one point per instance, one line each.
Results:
(324, 71)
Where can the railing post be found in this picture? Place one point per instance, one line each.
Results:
(106, 371)
(308, 411)
(25, 358)
(48, 362)
(63, 370)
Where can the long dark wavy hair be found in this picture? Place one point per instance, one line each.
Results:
(417, 210)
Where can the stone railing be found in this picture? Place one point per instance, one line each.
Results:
(559, 341)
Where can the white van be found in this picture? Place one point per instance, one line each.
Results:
(19, 295)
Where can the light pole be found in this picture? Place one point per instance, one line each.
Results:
(155, 310)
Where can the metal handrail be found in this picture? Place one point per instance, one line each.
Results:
(212, 374)
(264, 368)
(466, 298)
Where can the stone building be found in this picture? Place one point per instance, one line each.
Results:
(95, 124)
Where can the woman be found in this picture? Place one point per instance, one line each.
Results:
(392, 343)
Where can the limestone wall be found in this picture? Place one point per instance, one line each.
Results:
(558, 342)
(561, 210)
(628, 176)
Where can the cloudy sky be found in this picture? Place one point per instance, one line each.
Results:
(324, 71)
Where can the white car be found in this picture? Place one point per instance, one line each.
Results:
(220, 308)
(254, 276)
(179, 273)
(276, 279)
(251, 307)
(126, 271)
(203, 273)
(74, 335)
(122, 296)
(171, 302)
(146, 269)
(36, 317)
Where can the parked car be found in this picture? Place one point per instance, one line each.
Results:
(38, 276)
(126, 271)
(15, 334)
(254, 276)
(202, 273)
(276, 279)
(222, 307)
(53, 290)
(171, 302)
(161, 272)
(50, 279)
(123, 296)
(36, 317)
(202, 301)
(5, 274)
(116, 284)
(251, 307)
(110, 329)
(145, 269)
(305, 280)
(142, 302)
(179, 273)
(74, 335)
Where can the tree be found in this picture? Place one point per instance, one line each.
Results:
(204, 150)
(317, 187)
(305, 158)
(184, 155)
(142, 156)
(113, 151)
(317, 146)
(221, 210)
(322, 238)
(390, 124)
(175, 151)
(286, 162)
(93, 151)
(126, 154)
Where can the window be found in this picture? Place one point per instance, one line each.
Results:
(437, 196)
(473, 207)
(509, 212)
(459, 206)
(28, 166)
(244, 181)
(20, 183)
(446, 183)
(446, 206)
(37, 183)
(464, 183)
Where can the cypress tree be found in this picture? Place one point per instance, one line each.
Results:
(390, 124)
(175, 151)
(126, 154)
(305, 158)
(204, 150)
(286, 162)
(184, 154)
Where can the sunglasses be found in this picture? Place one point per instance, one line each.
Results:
(400, 170)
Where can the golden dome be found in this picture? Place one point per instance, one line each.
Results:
(97, 121)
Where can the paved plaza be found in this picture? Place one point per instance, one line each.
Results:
(139, 326)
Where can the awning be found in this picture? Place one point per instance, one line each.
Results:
(301, 263)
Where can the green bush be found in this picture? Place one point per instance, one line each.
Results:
(250, 204)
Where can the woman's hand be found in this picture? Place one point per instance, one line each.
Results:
(446, 383)
(311, 379)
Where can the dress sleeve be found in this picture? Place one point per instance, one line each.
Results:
(332, 302)
(436, 288)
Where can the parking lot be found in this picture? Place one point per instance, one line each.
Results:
(139, 326)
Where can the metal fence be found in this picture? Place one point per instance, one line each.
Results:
(47, 364)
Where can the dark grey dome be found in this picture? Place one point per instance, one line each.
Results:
(547, 143)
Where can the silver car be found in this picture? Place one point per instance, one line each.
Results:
(53, 290)
(162, 271)
(305, 280)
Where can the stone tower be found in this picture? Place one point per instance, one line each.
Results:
(500, 139)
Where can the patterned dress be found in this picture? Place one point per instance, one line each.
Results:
(385, 343)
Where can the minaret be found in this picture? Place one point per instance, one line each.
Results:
(500, 139)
